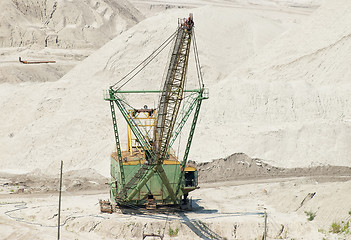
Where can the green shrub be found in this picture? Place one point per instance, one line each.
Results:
(335, 227)
(310, 215)
(346, 228)
(173, 233)
(340, 227)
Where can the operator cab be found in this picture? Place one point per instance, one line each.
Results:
(191, 177)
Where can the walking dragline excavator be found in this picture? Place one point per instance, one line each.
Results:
(149, 172)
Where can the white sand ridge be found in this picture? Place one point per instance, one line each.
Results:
(64, 24)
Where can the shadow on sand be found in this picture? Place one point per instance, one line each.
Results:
(195, 225)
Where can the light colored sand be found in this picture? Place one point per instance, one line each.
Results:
(289, 103)
(234, 4)
(279, 91)
(68, 119)
(64, 24)
(224, 211)
(61, 31)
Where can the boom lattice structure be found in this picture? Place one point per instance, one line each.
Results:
(172, 93)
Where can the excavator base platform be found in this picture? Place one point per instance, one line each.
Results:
(153, 192)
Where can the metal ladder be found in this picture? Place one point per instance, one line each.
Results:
(118, 145)
(132, 182)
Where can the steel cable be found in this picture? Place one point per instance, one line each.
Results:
(151, 57)
(197, 62)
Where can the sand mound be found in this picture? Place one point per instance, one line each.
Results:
(64, 24)
(39, 182)
(239, 166)
(68, 119)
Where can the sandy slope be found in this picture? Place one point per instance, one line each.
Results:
(61, 31)
(64, 24)
(68, 120)
(289, 104)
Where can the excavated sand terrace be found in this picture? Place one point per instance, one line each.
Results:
(279, 91)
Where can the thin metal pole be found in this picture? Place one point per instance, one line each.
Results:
(59, 210)
(265, 226)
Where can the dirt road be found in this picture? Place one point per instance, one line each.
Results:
(221, 210)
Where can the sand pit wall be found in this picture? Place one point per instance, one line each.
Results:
(64, 24)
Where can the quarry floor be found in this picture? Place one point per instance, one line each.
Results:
(221, 210)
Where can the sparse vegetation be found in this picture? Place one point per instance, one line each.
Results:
(335, 227)
(340, 227)
(350, 212)
(173, 233)
(311, 215)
